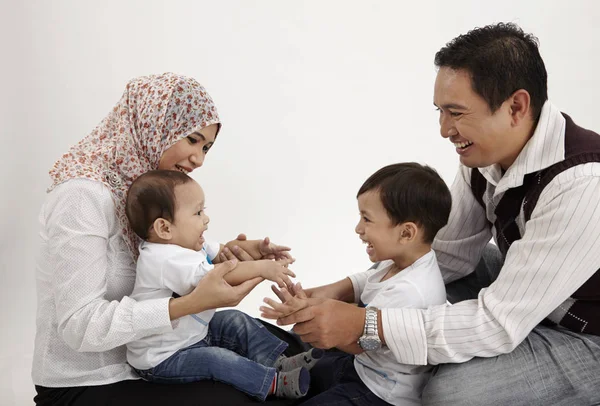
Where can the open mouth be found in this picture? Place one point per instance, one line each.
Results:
(370, 248)
(461, 146)
(182, 169)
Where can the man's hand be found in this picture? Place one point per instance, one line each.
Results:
(328, 324)
(289, 304)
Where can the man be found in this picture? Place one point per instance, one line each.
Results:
(524, 327)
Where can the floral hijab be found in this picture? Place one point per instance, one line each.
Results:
(153, 114)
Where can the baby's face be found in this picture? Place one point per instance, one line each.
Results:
(191, 220)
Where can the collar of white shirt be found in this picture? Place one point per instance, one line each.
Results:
(545, 148)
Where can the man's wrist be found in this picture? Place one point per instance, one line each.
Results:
(363, 318)
(370, 341)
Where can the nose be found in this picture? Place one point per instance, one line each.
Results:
(358, 228)
(197, 159)
(207, 220)
(447, 128)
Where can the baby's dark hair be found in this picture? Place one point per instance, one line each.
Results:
(152, 196)
(412, 192)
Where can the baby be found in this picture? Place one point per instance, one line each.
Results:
(166, 210)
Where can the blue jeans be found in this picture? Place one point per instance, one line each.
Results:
(334, 381)
(238, 350)
(552, 366)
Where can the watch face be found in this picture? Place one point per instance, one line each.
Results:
(370, 343)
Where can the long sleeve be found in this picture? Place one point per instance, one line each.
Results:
(460, 243)
(89, 315)
(558, 252)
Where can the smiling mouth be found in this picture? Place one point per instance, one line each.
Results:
(462, 145)
(182, 169)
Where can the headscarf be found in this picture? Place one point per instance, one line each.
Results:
(153, 114)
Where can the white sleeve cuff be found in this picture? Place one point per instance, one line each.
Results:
(212, 249)
(404, 334)
(359, 280)
(151, 316)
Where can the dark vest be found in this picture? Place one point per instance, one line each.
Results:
(581, 313)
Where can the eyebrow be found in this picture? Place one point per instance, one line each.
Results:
(199, 135)
(451, 106)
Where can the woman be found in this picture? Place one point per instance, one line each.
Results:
(86, 265)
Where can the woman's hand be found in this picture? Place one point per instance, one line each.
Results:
(212, 292)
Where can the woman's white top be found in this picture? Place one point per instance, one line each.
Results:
(84, 274)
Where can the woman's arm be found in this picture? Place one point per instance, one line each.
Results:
(212, 292)
(80, 218)
(91, 310)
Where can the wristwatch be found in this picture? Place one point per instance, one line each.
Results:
(370, 341)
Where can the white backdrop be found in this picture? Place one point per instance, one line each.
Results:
(314, 96)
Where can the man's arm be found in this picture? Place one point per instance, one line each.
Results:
(460, 243)
(559, 251)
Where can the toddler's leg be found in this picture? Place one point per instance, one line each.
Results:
(306, 359)
(291, 384)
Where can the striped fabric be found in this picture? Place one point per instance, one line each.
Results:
(558, 252)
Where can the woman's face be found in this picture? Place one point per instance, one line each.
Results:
(188, 153)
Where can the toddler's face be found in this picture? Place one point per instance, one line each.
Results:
(375, 228)
(191, 220)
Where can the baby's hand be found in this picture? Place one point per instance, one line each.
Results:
(290, 304)
(277, 271)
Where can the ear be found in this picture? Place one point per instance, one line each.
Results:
(408, 232)
(520, 107)
(163, 229)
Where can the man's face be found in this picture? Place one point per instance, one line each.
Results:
(481, 138)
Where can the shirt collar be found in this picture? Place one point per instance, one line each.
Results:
(545, 148)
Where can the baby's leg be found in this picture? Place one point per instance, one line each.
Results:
(200, 362)
(244, 335)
